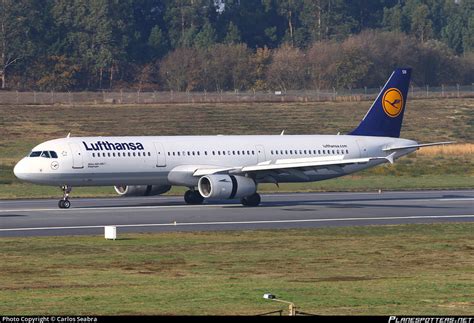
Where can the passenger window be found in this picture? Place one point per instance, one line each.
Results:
(93, 154)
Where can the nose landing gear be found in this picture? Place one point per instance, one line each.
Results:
(64, 203)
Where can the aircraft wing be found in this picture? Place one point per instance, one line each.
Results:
(293, 165)
(418, 146)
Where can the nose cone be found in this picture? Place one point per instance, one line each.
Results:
(21, 169)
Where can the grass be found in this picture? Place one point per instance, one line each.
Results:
(452, 150)
(25, 126)
(406, 269)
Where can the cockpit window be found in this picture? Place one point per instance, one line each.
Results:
(45, 154)
(35, 154)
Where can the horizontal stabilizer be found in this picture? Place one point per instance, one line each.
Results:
(418, 146)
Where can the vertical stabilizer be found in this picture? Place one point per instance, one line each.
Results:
(385, 116)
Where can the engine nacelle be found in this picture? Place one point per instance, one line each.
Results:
(141, 190)
(226, 186)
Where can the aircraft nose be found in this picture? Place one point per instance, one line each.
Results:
(20, 169)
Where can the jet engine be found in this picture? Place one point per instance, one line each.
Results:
(141, 190)
(226, 186)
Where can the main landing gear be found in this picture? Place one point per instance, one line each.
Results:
(193, 197)
(64, 203)
(251, 200)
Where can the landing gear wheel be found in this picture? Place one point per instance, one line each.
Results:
(67, 204)
(251, 200)
(64, 203)
(193, 197)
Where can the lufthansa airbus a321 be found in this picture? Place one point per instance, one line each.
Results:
(223, 167)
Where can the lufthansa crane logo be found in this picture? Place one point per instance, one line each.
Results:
(392, 102)
(54, 165)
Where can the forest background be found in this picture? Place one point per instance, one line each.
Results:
(232, 45)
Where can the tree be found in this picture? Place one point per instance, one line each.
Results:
(322, 57)
(289, 9)
(60, 74)
(287, 70)
(233, 34)
(183, 16)
(180, 69)
(157, 43)
(393, 18)
(421, 26)
(206, 37)
(261, 60)
(16, 26)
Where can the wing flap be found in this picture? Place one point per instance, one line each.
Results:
(304, 164)
(292, 166)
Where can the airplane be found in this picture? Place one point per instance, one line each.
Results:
(223, 167)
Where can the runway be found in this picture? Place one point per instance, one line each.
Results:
(277, 211)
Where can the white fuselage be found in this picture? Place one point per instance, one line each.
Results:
(171, 160)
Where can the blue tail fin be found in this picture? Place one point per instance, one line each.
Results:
(384, 118)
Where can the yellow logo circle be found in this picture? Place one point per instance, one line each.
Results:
(392, 102)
